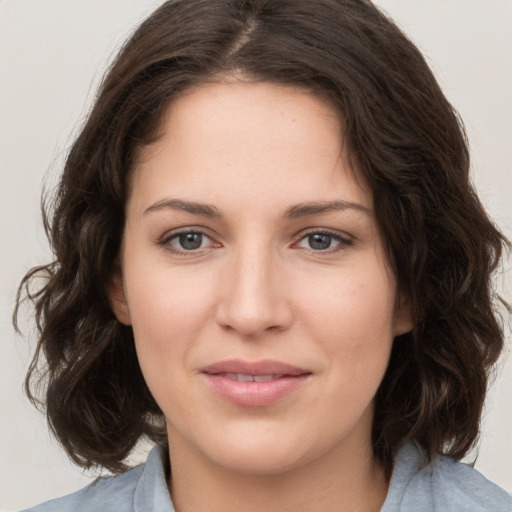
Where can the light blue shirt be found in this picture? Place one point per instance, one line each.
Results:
(445, 485)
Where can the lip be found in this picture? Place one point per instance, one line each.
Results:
(254, 394)
(263, 367)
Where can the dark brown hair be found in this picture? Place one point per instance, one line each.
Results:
(405, 137)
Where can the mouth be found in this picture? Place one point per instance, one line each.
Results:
(265, 367)
(254, 384)
(240, 377)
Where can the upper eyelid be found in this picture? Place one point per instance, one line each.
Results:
(164, 241)
(303, 232)
(334, 232)
(186, 229)
(169, 235)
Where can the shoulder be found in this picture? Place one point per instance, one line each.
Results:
(97, 495)
(459, 483)
(139, 488)
(445, 484)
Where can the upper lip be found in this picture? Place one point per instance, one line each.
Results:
(263, 367)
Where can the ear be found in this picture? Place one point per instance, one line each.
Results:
(403, 317)
(117, 298)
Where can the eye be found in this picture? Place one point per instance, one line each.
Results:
(188, 241)
(324, 241)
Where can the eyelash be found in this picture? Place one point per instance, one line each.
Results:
(165, 241)
(343, 241)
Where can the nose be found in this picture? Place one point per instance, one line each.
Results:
(254, 295)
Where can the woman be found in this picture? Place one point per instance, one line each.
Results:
(270, 261)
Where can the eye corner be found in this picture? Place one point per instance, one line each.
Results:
(324, 247)
(174, 242)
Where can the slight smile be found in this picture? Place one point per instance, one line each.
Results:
(254, 384)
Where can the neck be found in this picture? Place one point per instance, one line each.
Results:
(346, 478)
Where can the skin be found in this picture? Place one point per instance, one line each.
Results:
(258, 288)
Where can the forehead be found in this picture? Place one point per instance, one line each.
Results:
(250, 136)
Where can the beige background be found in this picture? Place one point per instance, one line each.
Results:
(52, 54)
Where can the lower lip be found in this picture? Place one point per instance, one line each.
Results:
(255, 394)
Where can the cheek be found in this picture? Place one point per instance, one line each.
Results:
(168, 309)
(352, 317)
(350, 301)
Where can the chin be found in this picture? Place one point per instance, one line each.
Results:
(260, 462)
(262, 453)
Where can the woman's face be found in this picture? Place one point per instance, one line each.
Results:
(255, 279)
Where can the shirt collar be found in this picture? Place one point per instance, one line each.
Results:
(152, 492)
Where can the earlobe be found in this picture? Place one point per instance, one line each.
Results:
(117, 298)
(403, 326)
(403, 317)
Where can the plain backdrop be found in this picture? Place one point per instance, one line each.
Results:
(52, 56)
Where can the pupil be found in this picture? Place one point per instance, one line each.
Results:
(319, 241)
(190, 241)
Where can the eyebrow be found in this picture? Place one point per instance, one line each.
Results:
(205, 210)
(318, 207)
(293, 212)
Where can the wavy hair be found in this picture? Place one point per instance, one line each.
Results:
(408, 142)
